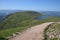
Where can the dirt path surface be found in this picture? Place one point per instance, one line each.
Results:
(34, 33)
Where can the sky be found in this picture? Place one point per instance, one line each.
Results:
(42, 5)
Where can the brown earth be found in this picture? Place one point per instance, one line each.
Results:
(33, 33)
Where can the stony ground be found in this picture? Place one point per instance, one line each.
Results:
(53, 32)
(34, 33)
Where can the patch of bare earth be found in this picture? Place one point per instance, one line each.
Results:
(34, 33)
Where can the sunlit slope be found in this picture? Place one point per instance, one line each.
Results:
(19, 19)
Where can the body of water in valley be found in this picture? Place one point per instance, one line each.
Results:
(46, 15)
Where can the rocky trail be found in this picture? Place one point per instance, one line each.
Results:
(33, 33)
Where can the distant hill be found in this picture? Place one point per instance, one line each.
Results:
(51, 13)
(19, 19)
(9, 11)
(2, 16)
(4, 13)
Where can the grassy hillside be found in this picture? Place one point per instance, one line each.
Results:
(19, 19)
(18, 22)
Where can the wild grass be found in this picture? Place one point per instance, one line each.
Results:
(20, 21)
(24, 25)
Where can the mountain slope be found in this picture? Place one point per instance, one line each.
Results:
(19, 19)
(2, 16)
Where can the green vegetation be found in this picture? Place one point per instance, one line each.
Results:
(53, 32)
(18, 22)
(26, 24)
(19, 19)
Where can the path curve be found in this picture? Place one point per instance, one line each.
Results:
(34, 33)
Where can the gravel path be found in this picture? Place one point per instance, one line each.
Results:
(34, 33)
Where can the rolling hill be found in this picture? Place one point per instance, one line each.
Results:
(51, 13)
(18, 22)
(18, 19)
(4, 13)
